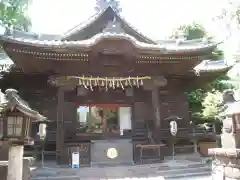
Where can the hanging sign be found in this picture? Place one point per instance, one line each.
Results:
(75, 160)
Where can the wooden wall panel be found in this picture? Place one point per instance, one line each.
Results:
(174, 102)
(70, 119)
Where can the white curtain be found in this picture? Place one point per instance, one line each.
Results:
(125, 118)
(82, 113)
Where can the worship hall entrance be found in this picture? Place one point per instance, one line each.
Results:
(109, 126)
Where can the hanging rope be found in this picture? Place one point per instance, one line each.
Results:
(113, 82)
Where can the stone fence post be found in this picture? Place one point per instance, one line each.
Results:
(226, 160)
(27, 162)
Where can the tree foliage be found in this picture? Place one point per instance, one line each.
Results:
(197, 96)
(212, 105)
(103, 4)
(191, 31)
(200, 99)
(13, 14)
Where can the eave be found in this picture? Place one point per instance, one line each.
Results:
(209, 66)
(12, 100)
(198, 81)
(128, 54)
(87, 45)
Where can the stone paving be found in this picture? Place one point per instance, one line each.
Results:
(133, 172)
(98, 173)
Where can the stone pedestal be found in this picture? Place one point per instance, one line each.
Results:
(27, 162)
(226, 160)
(226, 164)
(15, 162)
(3, 170)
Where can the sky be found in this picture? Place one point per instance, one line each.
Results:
(154, 18)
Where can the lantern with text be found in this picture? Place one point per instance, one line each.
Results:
(17, 118)
(173, 124)
(173, 130)
(42, 129)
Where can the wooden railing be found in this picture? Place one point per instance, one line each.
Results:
(185, 132)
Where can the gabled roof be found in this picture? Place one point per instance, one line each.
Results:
(98, 22)
(11, 100)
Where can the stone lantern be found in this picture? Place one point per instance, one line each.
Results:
(16, 117)
(226, 160)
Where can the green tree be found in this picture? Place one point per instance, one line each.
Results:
(197, 31)
(13, 14)
(191, 31)
(212, 105)
(198, 96)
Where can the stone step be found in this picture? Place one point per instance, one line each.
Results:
(91, 173)
(161, 167)
(188, 175)
(192, 172)
(57, 178)
(170, 169)
(184, 170)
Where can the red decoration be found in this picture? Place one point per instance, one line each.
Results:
(105, 105)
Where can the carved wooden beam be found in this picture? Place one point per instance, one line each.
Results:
(158, 81)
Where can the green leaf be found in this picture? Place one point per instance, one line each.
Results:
(12, 14)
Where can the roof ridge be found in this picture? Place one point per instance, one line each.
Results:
(135, 29)
(97, 15)
(88, 20)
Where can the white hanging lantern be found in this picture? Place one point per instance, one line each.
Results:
(42, 130)
(173, 128)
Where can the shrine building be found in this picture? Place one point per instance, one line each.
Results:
(109, 90)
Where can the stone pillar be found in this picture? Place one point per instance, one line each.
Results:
(226, 160)
(15, 162)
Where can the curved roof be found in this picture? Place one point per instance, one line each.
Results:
(212, 66)
(12, 100)
(164, 48)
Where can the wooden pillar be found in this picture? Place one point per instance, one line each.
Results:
(60, 127)
(15, 162)
(156, 107)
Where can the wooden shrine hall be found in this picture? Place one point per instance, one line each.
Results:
(109, 90)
